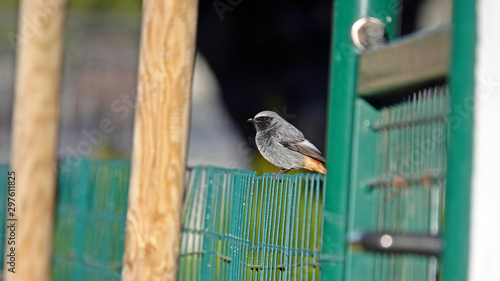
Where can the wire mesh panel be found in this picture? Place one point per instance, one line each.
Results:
(398, 182)
(238, 226)
(91, 208)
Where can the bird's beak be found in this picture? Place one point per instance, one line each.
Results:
(250, 120)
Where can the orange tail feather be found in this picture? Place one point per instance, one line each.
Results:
(313, 165)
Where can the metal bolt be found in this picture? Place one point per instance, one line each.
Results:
(366, 187)
(386, 241)
(368, 33)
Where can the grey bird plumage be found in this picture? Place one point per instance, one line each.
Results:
(283, 145)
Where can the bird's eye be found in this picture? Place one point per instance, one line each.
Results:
(265, 118)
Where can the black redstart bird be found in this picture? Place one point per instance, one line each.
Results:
(284, 145)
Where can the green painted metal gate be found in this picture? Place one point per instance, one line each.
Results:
(398, 148)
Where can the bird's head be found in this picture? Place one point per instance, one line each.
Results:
(265, 120)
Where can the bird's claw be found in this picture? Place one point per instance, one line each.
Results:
(282, 171)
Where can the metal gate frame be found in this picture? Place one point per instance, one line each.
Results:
(343, 93)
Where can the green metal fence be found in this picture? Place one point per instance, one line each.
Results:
(238, 226)
(399, 148)
(90, 214)
(91, 210)
(398, 178)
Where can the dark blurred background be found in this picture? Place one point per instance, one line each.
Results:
(252, 56)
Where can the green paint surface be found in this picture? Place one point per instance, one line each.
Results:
(459, 166)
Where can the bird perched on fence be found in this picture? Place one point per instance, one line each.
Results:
(285, 146)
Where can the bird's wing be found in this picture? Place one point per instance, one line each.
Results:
(293, 139)
(305, 147)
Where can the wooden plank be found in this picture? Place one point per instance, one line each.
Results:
(412, 61)
(34, 136)
(160, 140)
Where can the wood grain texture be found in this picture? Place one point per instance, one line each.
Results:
(160, 140)
(34, 136)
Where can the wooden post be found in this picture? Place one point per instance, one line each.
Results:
(160, 140)
(34, 138)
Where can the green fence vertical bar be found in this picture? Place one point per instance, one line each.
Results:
(208, 266)
(82, 198)
(362, 209)
(341, 100)
(342, 93)
(459, 165)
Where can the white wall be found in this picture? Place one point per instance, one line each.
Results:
(484, 258)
